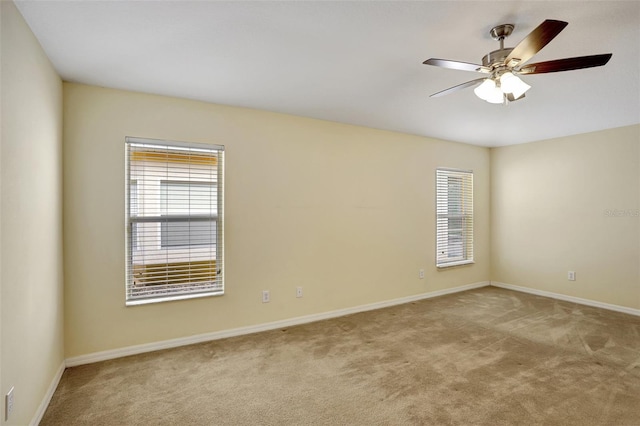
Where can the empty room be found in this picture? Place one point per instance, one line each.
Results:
(320, 213)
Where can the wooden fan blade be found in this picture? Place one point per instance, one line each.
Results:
(456, 65)
(458, 87)
(566, 64)
(535, 41)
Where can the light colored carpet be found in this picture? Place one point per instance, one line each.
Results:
(483, 357)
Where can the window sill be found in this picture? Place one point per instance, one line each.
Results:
(137, 302)
(451, 264)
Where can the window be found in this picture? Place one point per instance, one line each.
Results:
(174, 215)
(454, 217)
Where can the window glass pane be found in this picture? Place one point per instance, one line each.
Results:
(133, 211)
(454, 199)
(175, 234)
(456, 245)
(180, 198)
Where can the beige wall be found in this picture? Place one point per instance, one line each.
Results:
(569, 204)
(31, 218)
(344, 211)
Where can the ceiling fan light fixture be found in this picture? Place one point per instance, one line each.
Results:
(505, 64)
(488, 91)
(510, 83)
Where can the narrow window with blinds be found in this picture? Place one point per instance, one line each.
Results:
(174, 220)
(454, 217)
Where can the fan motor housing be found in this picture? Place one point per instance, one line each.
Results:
(497, 57)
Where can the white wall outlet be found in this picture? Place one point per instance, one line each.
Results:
(266, 297)
(8, 404)
(571, 276)
(298, 292)
(421, 274)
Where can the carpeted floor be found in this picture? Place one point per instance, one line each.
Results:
(483, 357)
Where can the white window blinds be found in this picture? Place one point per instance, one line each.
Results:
(454, 217)
(174, 213)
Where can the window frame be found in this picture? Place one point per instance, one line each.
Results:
(462, 211)
(213, 270)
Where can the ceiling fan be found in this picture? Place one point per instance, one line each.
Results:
(501, 84)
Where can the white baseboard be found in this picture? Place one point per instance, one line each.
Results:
(47, 397)
(566, 298)
(182, 341)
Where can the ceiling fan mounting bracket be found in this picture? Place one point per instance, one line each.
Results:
(500, 32)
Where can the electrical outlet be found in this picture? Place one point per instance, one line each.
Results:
(266, 297)
(298, 292)
(421, 274)
(8, 404)
(571, 276)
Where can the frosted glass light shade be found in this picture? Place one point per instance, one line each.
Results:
(488, 91)
(496, 97)
(510, 83)
(484, 90)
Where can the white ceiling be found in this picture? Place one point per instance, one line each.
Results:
(352, 61)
